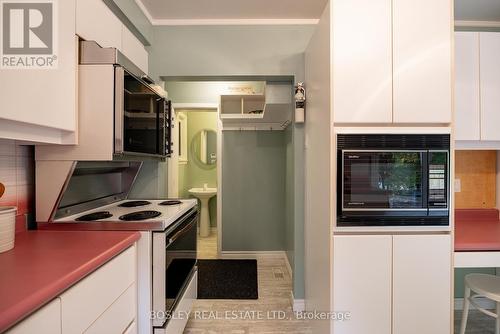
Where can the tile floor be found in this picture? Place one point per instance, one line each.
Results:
(477, 323)
(207, 247)
(249, 316)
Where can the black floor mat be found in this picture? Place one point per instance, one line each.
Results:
(227, 279)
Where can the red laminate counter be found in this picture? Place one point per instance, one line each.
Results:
(477, 230)
(45, 263)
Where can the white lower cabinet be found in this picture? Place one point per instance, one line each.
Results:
(362, 283)
(47, 320)
(103, 302)
(399, 284)
(422, 284)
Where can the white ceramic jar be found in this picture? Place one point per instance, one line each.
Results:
(7, 227)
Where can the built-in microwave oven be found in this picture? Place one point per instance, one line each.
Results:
(142, 116)
(143, 119)
(393, 180)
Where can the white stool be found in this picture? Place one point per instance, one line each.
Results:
(481, 285)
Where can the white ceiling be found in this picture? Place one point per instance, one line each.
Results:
(477, 10)
(233, 9)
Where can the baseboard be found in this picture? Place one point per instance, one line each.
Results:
(298, 305)
(481, 301)
(251, 254)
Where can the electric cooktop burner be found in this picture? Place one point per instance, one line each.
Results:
(140, 215)
(170, 202)
(133, 204)
(95, 216)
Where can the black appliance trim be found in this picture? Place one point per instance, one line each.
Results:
(393, 141)
(381, 142)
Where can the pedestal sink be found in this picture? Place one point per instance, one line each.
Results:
(204, 194)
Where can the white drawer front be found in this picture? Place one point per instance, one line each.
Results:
(47, 320)
(118, 317)
(86, 301)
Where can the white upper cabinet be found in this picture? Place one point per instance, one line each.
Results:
(392, 61)
(422, 33)
(96, 22)
(134, 50)
(490, 85)
(477, 83)
(467, 105)
(362, 61)
(39, 104)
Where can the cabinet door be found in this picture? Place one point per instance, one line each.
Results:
(134, 49)
(467, 112)
(422, 33)
(422, 284)
(46, 320)
(362, 64)
(490, 85)
(96, 22)
(362, 283)
(44, 98)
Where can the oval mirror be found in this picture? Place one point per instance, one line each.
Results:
(204, 147)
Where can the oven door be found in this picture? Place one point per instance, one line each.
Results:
(174, 261)
(384, 183)
(140, 117)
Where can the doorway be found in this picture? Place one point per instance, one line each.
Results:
(193, 171)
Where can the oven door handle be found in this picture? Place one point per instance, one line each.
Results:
(180, 233)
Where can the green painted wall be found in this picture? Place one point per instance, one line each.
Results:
(253, 191)
(460, 275)
(192, 174)
(243, 51)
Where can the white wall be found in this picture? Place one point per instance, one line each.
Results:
(318, 180)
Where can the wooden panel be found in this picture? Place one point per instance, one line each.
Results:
(362, 283)
(477, 173)
(362, 61)
(421, 270)
(422, 39)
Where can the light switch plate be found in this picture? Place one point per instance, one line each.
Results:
(458, 186)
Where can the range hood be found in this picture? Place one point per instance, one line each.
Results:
(64, 188)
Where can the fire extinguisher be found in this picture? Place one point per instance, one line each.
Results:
(300, 102)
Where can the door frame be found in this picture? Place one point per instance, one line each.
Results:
(212, 106)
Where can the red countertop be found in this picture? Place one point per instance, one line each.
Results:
(477, 230)
(45, 263)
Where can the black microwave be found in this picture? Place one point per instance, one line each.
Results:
(143, 118)
(393, 180)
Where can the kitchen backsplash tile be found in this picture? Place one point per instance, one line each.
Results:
(17, 167)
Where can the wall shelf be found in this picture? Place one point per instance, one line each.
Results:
(238, 111)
